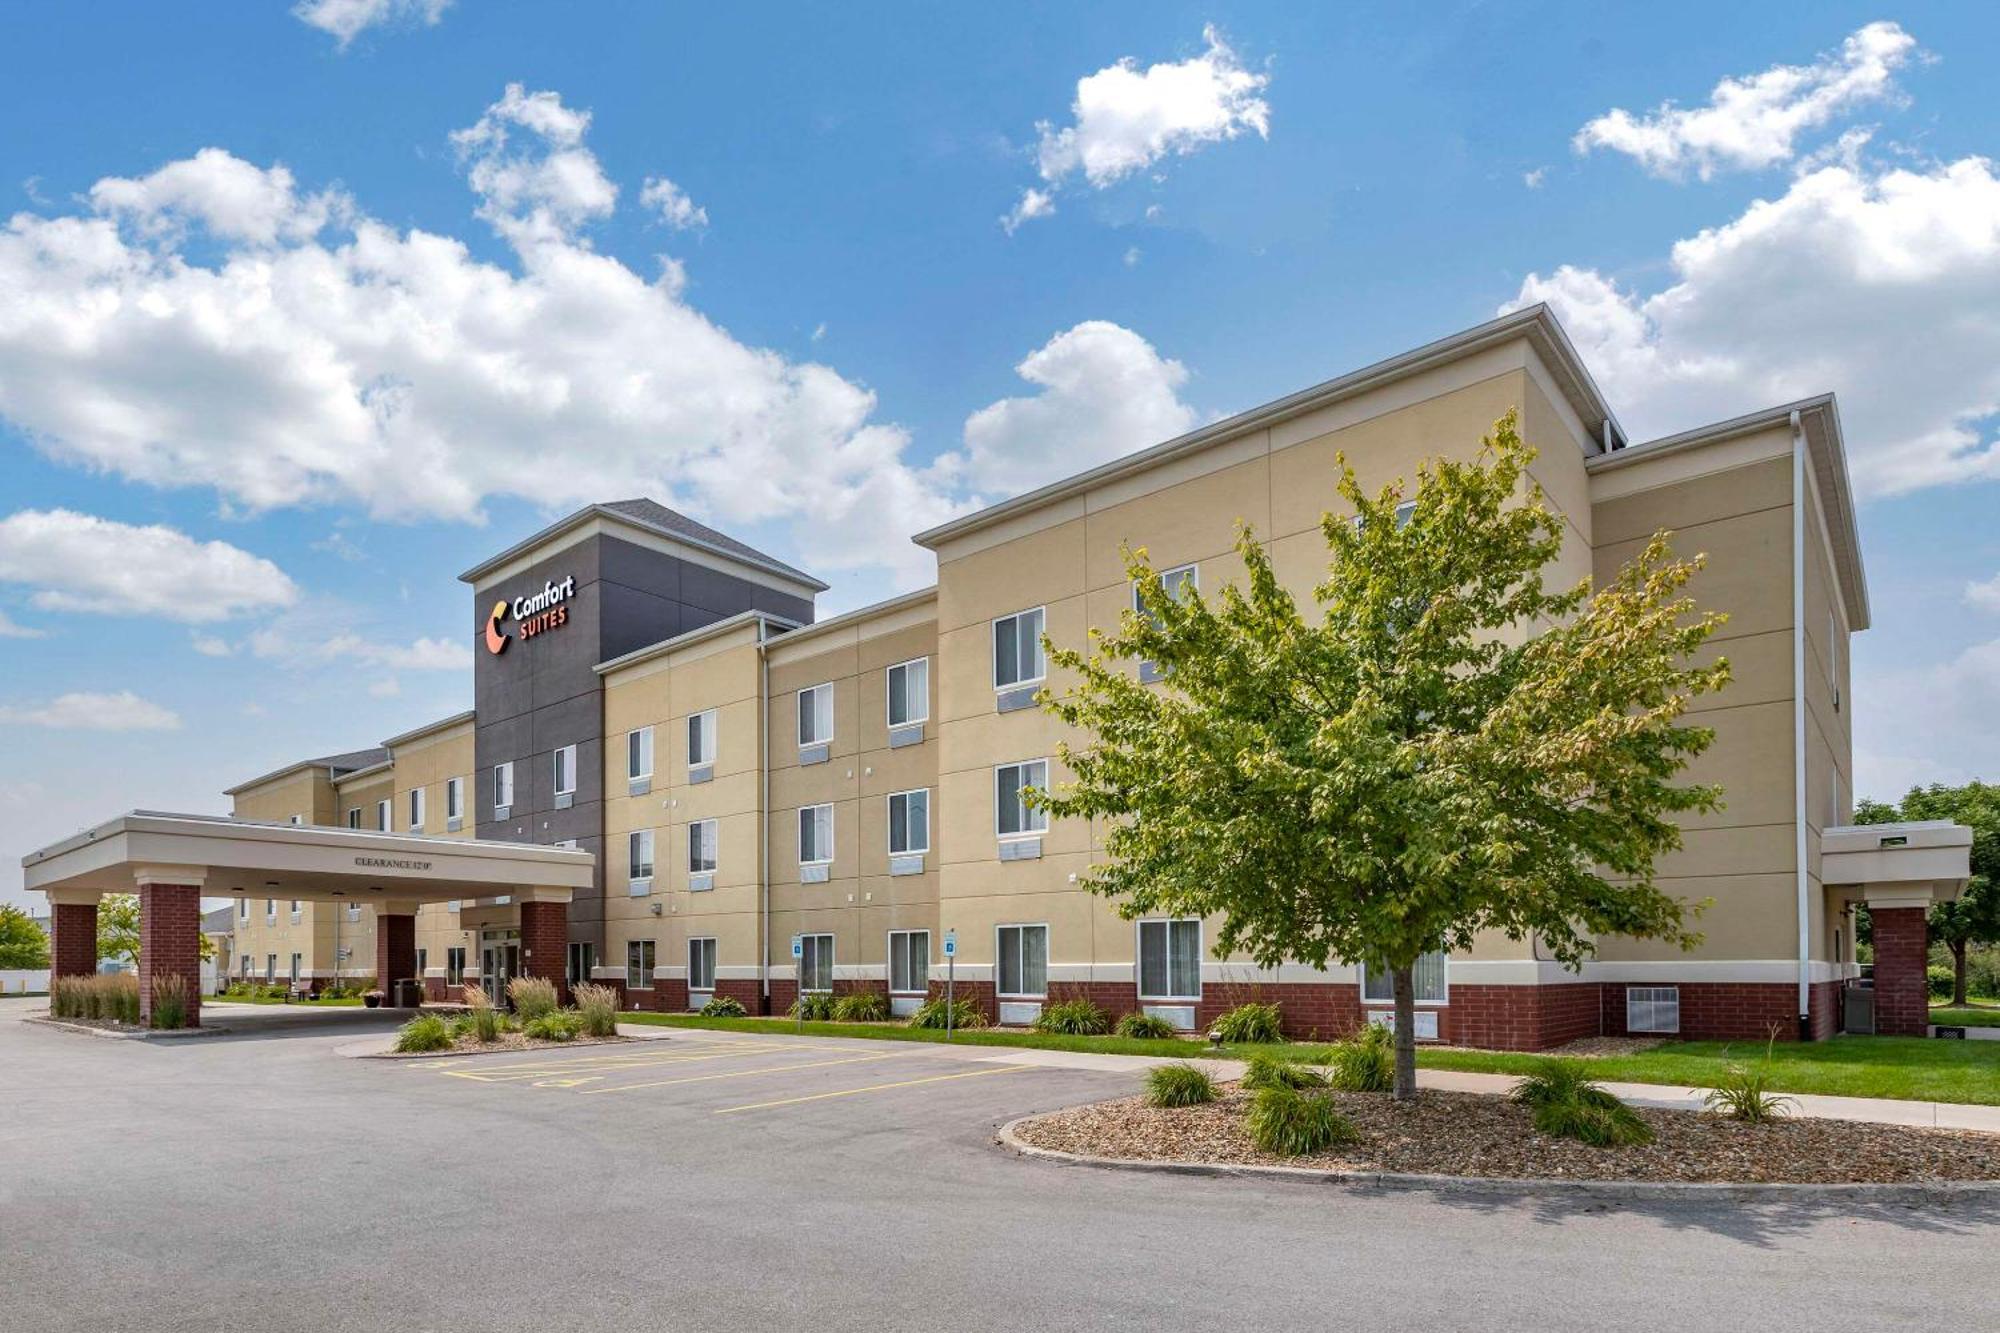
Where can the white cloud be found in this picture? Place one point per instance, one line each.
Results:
(386, 688)
(1534, 179)
(671, 202)
(1132, 257)
(226, 196)
(79, 562)
(1032, 204)
(12, 629)
(210, 645)
(1755, 122)
(1880, 286)
(1104, 392)
(321, 633)
(541, 193)
(347, 19)
(1984, 595)
(1951, 709)
(83, 711)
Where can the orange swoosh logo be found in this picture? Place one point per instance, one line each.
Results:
(495, 640)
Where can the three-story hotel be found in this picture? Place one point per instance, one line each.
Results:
(777, 802)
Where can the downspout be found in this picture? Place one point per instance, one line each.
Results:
(1799, 725)
(764, 813)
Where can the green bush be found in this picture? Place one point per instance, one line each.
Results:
(532, 997)
(1251, 1023)
(1366, 1062)
(1940, 981)
(597, 1006)
(1743, 1092)
(862, 1006)
(170, 1002)
(425, 1032)
(486, 1020)
(1178, 1085)
(1076, 1018)
(1290, 1123)
(813, 1007)
(723, 1006)
(1144, 1025)
(1568, 1103)
(962, 1013)
(1268, 1071)
(555, 1025)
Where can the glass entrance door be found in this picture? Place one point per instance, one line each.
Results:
(500, 963)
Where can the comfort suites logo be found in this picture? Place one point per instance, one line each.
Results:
(544, 610)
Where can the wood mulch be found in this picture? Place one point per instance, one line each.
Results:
(1473, 1134)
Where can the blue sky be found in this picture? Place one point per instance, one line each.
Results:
(301, 313)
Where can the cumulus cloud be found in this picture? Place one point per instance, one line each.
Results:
(1125, 119)
(1958, 727)
(671, 202)
(1104, 391)
(345, 20)
(325, 632)
(79, 562)
(1984, 595)
(84, 711)
(11, 629)
(1756, 121)
(1879, 285)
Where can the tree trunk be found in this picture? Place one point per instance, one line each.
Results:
(1957, 948)
(1406, 1034)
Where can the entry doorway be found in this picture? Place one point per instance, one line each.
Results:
(499, 962)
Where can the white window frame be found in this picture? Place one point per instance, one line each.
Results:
(639, 753)
(243, 909)
(1655, 996)
(1166, 925)
(418, 802)
(894, 824)
(1191, 570)
(270, 968)
(385, 821)
(557, 763)
(694, 966)
(454, 965)
(648, 958)
(813, 810)
(999, 934)
(921, 701)
(1041, 658)
(454, 798)
(810, 945)
(813, 692)
(1444, 984)
(704, 726)
(354, 816)
(922, 983)
(634, 840)
(1029, 816)
(695, 840)
(503, 783)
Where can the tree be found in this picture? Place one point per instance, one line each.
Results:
(1411, 767)
(118, 930)
(1975, 917)
(23, 946)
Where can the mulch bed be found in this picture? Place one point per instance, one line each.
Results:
(1472, 1134)
(507, 1041)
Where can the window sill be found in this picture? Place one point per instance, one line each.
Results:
(1013, 698)
(639, 888)
(1021, 849)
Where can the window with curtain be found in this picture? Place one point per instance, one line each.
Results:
(1024, 960)
(1170, 960)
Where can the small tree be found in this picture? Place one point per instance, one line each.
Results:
(1975, 917)
(1447, 748)
(118, 930)
(23, 946)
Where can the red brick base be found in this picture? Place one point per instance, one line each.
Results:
(170, 944)
(1902, 954)
(545, 944)
(73, 946)
(395, 952)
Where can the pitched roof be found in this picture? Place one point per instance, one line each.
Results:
(654, 517)
(221, 921)
(335, 764)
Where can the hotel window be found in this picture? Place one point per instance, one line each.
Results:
(354, 817)
(297, 911)
(423, 961)
(382, 821)
(815, 835)
(1024, 960)
(909, 961)
(638, 965)
(582, 957)
(454, 798)
(270, 968)
(639, 753)
(297, 959)
(1178, 582)
(816, 715)
(701, 964)
(416, 809)
(701, 739)
(816, 962)
(270, 911)
(243, 909)
(244, 964)
(565, 761)
(704, 838)
(1017, 649)
(640, 844)
(454, 966)
(1427, 979)
(1013, 817)
(1170, 960)
(910, 692)
(503, 786)
(910, 822)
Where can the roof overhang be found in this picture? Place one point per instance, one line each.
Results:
(1910, 864)
(593, 518)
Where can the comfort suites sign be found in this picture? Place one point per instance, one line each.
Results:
(531, 614)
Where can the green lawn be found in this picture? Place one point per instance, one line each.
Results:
(247, 999)
(1906, 1068)
(1979, 1013)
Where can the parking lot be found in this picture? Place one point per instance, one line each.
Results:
(722, 1181)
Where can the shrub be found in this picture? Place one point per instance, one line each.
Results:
(964, 1013)
(1267, 1071)
(862, 1006)
(462, 1026)
(1940, 981)
(1144, 1025)
(1079, 1017)
(104, 997)
(1178, 1085)
(1568, 1103)
(723, 1006)
(813, 1007)
(532, 997)
(1251, 1023)
(425, 1032)
(486, 1024)
(1366, 1062)
(597, 1007)
(1290, 1123)
(555, 1025)
(170, 1002)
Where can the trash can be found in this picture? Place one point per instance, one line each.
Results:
(407, 993)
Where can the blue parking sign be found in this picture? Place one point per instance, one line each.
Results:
(798, 946)
(950, 943)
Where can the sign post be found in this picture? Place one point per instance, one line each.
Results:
(950, 980)
(798, 982)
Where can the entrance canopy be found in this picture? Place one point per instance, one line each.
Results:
(1911, 864)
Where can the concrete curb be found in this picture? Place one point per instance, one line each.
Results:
(575, 1044)
(1602, 1191)
(164, 1034)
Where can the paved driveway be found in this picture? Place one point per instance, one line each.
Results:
(712, 1181)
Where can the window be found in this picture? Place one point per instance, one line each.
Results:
(454, 798)
(243, 910)
(909, 960)
(454, 966)
(244, 966)
(1652, 1008)
(701, 739)
(641, 846)
(1024, 960)
(582, 955)
(1017, 649)
(815, 835)
(416, 809)
(703, 837)
(1170, 960)
(910, 692)
(1427, 979)
(816, 715)
(701, 964)
(423, 961)
(1178, 582)
(565, 760)
(354, 911)
(910, 822)
(1012, 817)
(297, 959)
(639, 753)
(354, 817)
(270, 910)
(816, 962)
(270, 968)
(382, 820)
(638, 965)
(503, 785)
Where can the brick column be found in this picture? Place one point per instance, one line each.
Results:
(545, 943)
(395, 952)
(73, 946)
(170, 944)
(1902, 953)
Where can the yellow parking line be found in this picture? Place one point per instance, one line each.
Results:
(746, 1073)
(878, 1087)
(524, 1073)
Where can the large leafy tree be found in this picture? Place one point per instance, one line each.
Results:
(118, 930)
(1975, 917)
(1445, 746)
(23, 946)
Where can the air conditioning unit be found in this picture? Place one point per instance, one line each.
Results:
(1653, 1009)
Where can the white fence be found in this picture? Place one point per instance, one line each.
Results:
(18, 982)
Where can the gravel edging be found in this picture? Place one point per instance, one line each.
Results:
(1934, 1192)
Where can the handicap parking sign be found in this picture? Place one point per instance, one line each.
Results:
(950, 943)
(798, 946)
